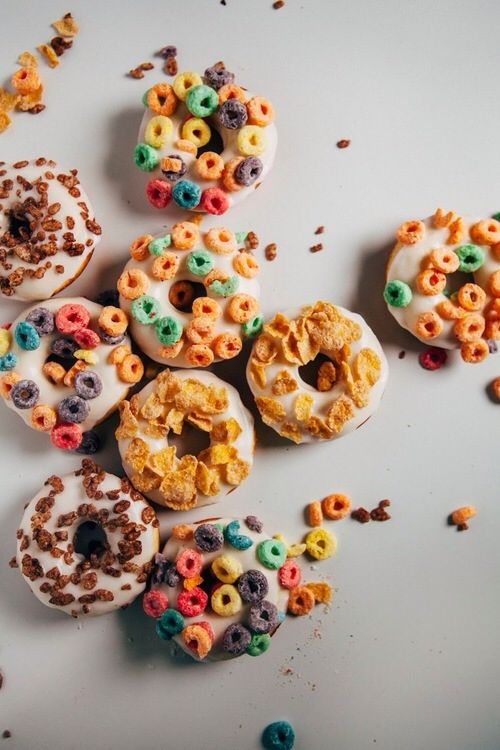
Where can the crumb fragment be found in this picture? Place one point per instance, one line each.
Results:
(278, 4)
(495, 389)
(1, 680)
(251, 240)
(361, 515)
(271, 251)
(343, 143)
(170, 66)
(138, 72)
(316, 248)
(460, 516)
(320, 229)
(379, 513)
(13, 562)
(402, 354)
(6, 734)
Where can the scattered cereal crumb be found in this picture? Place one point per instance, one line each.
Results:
(169, 51)
(6, 734)
(495, 389)
(36, 109)
(344, 143)
(223, 2)
(60, 45)
(251, 240)
(138, 72)
(278, 4)
(314, 514)
(316, 248)
(460, 516)
(320, 229)
(1, 680)
(271, 251)
(379, 513)
(66, 26)
(13, 562)
(361, 515)
(402, 354)
(170, 66)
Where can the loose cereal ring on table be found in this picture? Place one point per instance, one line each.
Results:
(205, 144)
(65, 364)
(47, 229)
(156, 423)
(86, 542)
(443, 282)
(191, 296)
(349, 383)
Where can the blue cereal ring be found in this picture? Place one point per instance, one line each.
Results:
(8, 361)
(238, 541)
(186, 194)
(169, 624)
(26, 336)
(278, 736)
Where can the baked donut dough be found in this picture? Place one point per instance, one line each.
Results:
(161, 414)
(114, 571)
(216, 588)
(349, 385)
(65, 365)
(204, 144)
(47, 229)
(191, 296)
(443, 282)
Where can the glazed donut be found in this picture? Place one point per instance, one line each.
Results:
(204, 145)
(159, 414)
(47, 229)
(443, 282)
(216, 588)
(65, 364)
(190, 296)
(115, 570)
(349, 383)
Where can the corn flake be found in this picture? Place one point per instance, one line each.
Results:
(265, 349)
(318, 427)
(207, 480)
(341, 410)
(278, 326)
(226, 431)
(48, 53)
(162, 461)
(201, 421)
(291, 431)
(258, 373)
(8, 100)
(137, 454)
(302, 406)
(128, 423)
(5, 121)
(237, 471)
(146, 481)
(367, 365)
(283, 383)
(27, 60)
(152, 407)
(218, 454)
(167, 386)
(66, 26)
(270, 409)
(174, 420)
(178, 489)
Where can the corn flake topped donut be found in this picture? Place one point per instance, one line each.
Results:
(191, 296)
(47, 229)
(348, 384)
(156, 421)
(205, 143)
(64, 366)
(443, 282)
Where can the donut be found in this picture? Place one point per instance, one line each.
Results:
(65, 364)
(443, 282)
(216, 589)
(47, 229)
(348, 385)
(111, 567)
(204, 144)
(171, 413)
(191, 296)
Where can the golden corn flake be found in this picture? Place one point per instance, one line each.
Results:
(302, 406)
(201, 421)
(50, 56)
(290, 347)
(162, 461)
(137, 454)
(278, 326)
(28, 101)
(174, 420)
(291, 431)
(265, 349)
(270, 409)
(155, 430)
(327, 375)
(207, 480)
(341, 410)
(5, 121)
(367, 365)
(167, 386)
(321, 590)
(146, 481)
(237, 471)
(27, 60)
(178, 489)
(218, 454)
(128, 423)
(258, 373)
(226, 431)
(189, 463)
(66, 26)
(195, 396)
(318, 427)
(8, 100)
(283, 383)
(152, 407)
(134, 404)
(359, 391)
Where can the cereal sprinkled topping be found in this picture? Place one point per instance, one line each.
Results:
(344, 143)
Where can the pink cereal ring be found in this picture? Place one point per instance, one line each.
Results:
(289, 574)
(192, 603)
(214, 201)
(66, 436)
(154, 603)
(71, 318)
(189, 563)
(86, 338)
(159, 193)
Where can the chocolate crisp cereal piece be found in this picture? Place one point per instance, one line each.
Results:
(271, 251)
(361, 515)
(344, 143)
(316, 248)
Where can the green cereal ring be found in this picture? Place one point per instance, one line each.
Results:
(199, 262)
(145, 309)
(260, 642)
(225, 288)
(253, 327)
(169, 624)
(144, 98)
(201, 100)
(496, 216)
(145, 157)
(241, 236)
(271, 553)
(471, 258)
(157, 246)
(397, 293)
(168, 330)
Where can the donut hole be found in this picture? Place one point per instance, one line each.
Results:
(19, 225)
(309, 372)
(182, 294)
(191, 440)
(456, 280)
(215, 144)
(90, 539)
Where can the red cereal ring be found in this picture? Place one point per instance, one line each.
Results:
(154, 603)
(159, 193)
(432, 358)
(66, 436)
(289, 574)
(86, 338)
(214, 201)
(71, 317)
(189, 563)
(192, 603)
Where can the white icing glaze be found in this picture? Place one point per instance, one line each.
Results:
(323, 399)
(68, 501)
(145, 335)
(249, 561)
(407, 261)
(29, 367)
(52, 282)
(244, 443)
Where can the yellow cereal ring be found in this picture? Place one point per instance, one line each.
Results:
(206, 306)
(43, 417)
(157, 131)
(118, 354)
(226, 600)
(200, 330)
(199, 355)
(444, 260)
(227, 345)
(54, 372)
(7, 381)
(260, 111)
(428, 325)
(474, 351)
(197, 639)
(26, 80)
(431, 282)
(410, 232)
(165, 266)
(132, 283)
(183, 145)
(221, 240)
(486, 232)
(242, 308)
(251, 140)
(184, 81)
(113, 320)
(245, 265)
(5, 339)
(87, 355)
(210, 165)
(471, 297)
(185, 235)
(227, 568)
(161, 99)
(494, 284)
(469, 328)
(130, 369)
(197, 131)
(232, 91)
(320, 544)
(139, 247)
(228, 180)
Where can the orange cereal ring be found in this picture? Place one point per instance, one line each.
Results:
(314, 514)
(139, 247)
(182, 531)
(200, 330)
(215, 275)
(130, 369)
(246, 265)
(231, 91)
(132, 283)
(113, 320)
(170, 351)
(474, 351)
(206, 306)
(165, 266)
(227, 345)
(228, 177)
(492, 310)
(118, 354)
(495, 249)
(26, 80)
(260, 111)
(43, 417)
(336, 506)
(6, 383)
(185, 235)
(431, 282)
(220, 240)
(300, 601)
(486, 232)
(184, 145)
(447, 310)
(444, 260)
(410, 232)
(161, 99)
(242, 307)
(471, 297)
(199, 355)
(197, 639)
(492, 330)
(469, 328)
(428, 325)
(494, 284)
(181, 294)
(210, 165)
(54, 372)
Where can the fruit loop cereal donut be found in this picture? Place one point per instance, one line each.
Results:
(162, 413)
(349, 383)
(204, 144)
(65, 364)
(47, 229)
(443, 282)
(191, 296)
(115, 567)
(217, 589)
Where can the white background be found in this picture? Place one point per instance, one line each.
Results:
(408, 657)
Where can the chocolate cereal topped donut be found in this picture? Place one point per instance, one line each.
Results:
(204, 143)
(47, 229)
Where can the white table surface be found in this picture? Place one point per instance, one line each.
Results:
(408, 657)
